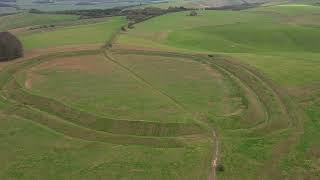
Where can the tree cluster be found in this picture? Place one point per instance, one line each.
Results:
(133, 15)
(10, 47)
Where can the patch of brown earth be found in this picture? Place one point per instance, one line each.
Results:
(214, 73)
(308, 19)
(162, 35)
(305, 94)
(304, 90)
(20, 30)
(28, 83)
(3, 64)
(88, 64)
(314, 151)
(33, 77)
(32, 53)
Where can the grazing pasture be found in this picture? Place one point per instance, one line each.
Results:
(96, 33)
(31, 149)
(175, 97)
(20, 20)
(98, 85)
(278, 44)
(258, 30)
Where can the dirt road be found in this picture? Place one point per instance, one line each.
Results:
(215, 157)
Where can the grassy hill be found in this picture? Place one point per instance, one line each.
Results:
(27, 19)
(246, 31)
(279, 41)
(174, 97)
(95, 33)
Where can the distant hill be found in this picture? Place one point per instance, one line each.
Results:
(58, 5)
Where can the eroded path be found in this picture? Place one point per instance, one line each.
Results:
(215, 157)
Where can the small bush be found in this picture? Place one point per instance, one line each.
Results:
(193, 13)
(123, 28)
(220, 168)
(131, 25)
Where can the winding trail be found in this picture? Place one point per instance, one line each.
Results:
(215, 157)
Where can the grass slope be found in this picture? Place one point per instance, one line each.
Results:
(280, 42)
(74, 35)
(27, 19)
(266, 29)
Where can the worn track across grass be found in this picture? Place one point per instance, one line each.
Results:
(265, 101)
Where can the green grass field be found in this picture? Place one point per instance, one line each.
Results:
(32, 151)
(134, 161)
(246, 31)
(82, 34)
(279, 41)
(174, 95)
(27, 19)
(91, 83)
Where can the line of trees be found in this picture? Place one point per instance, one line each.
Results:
(10, 47)
(133, 15)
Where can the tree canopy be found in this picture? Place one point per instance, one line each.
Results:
(10, 47)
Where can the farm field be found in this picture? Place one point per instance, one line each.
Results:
(220, 95)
